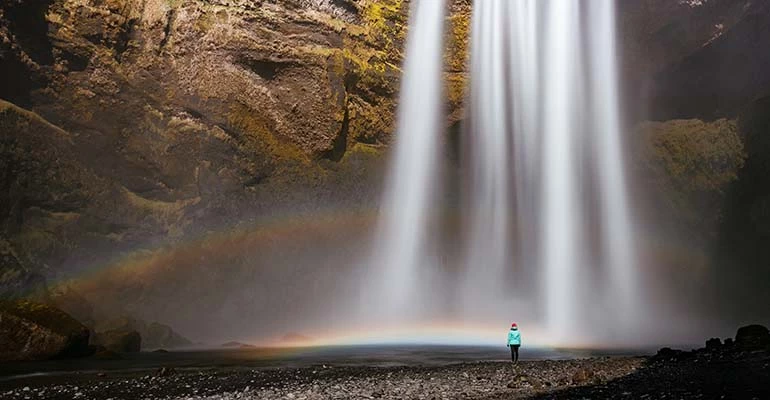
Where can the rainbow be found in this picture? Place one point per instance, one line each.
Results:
(166, 261)
(159, 262)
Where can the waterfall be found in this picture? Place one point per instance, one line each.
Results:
(620, 255)
(547, 232)
(402, 230)
(544, 113)
(488, 254)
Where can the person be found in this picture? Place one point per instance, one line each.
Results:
(514, 342)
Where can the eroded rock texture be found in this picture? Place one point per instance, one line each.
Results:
(34, 331)
(143, 118)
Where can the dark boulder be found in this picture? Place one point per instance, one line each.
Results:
(752, 337)
(154, 335)
(668, 354)
(714, 344)
(119, 341)
(36, 331)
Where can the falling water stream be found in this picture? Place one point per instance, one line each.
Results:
(546, 210)
(402, 234)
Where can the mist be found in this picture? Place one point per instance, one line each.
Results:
(317, 259)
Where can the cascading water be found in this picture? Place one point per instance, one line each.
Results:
(619, 253)
(564, 130)
(488, 200)
(402, 232)
(546, 206)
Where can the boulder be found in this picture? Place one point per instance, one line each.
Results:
(752, 337)
(119, 341)
(154, 335)
(36, 331)
(713, 344)
(668, 354)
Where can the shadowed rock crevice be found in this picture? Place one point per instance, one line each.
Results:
(267, 69)
(170, 17)
(340, 143)
(27, 22)
(745, 224)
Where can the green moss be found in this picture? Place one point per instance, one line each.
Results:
(369, 150)
(692, 163)
(386, 21)
(697, 156)
(368, 62)
(258, 133)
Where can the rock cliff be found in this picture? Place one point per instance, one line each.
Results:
(131, 125)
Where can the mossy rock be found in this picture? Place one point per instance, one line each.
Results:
(692, 163)
(36, 331)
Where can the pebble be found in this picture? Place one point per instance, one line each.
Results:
(483, 380)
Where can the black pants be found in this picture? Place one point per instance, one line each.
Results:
(515, 352)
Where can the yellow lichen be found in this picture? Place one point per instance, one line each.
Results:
(258, 134)
(457, 42)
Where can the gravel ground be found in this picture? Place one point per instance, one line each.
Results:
(459, 381)
(702, 377)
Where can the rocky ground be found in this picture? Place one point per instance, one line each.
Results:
(701, 377)
(474, 381)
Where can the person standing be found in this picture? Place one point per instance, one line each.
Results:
(514, 342)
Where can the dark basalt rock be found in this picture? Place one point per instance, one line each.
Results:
(154, 335)
(749, 339)
(35, 331)
(753, 337)
(668, 354)
(713, 344)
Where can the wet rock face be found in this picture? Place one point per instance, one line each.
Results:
(145, 121)
(16, 280)
(689, 165)
(34, 331)
(724, 75)
(694, 59)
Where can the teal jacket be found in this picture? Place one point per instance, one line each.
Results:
(514, 337)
